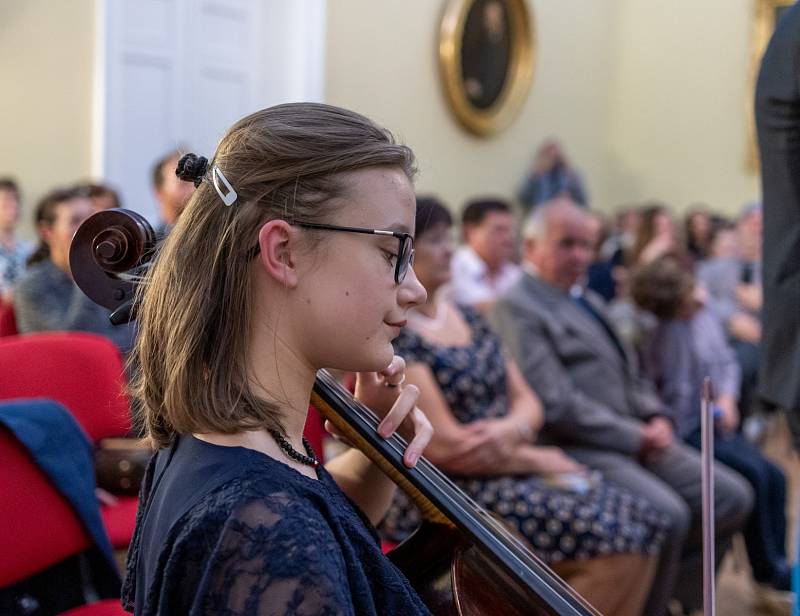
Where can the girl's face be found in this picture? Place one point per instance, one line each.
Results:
(68, 217)
(700, 225)
(693, 300)
(663, 226)
(9, 210)
(434, 250)
(348, 307)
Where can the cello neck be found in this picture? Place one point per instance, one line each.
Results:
(441, 501)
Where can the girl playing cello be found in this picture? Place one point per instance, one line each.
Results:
(293, 254)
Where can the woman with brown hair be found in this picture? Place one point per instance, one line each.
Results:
(657, 236)
(45, 297)
(601, 539)
(292, 255)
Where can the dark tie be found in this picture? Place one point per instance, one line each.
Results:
(748, 271)
(587, 306)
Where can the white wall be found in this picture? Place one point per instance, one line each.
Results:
(678, 127)
(382, 61)
(648, 97)
(46, 51)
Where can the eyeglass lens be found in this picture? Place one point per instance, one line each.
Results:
(405, 258)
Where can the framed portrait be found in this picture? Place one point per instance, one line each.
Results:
(486, 56)
(766, 14)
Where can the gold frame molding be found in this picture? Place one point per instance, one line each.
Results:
(763, 27)
(489, 121)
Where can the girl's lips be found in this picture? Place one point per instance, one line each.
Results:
(398, 324)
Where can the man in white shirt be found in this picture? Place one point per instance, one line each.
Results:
(483, 268)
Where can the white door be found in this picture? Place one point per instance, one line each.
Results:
(174, 74)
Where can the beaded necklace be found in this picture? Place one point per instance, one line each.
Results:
(308, 460)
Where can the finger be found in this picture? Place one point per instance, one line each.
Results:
(332, 429)
(423, 432)
(400, 409)
(398, 364)
(395, 373)
(366, 379)
(335, 433)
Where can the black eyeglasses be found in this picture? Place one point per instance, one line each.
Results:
(405, 248)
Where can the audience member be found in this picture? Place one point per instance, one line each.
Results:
(657, 236)
(688, 345)
(601, 538)
(610, 257)
(45, 297)
(601, 274)
(13, 251)
(734, 285)
(599, 406)
(723, 242)
(698, 229)
(552, 176)
(627, 221)
(171, 193)
(483, 267)
(102, 196)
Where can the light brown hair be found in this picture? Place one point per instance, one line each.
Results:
(194, 311)
(45, 215)
(661, 287)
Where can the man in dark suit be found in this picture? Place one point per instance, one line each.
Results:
(778, 123)
(597, 404)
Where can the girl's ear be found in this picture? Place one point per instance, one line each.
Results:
(276, 239)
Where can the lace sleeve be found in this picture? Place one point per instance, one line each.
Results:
(274, 556)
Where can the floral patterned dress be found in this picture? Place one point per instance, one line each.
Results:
(562, 523)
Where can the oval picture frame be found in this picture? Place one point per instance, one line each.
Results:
(486, 57)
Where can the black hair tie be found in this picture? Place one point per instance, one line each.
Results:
(192, 168)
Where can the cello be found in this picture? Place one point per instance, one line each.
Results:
(462, 560)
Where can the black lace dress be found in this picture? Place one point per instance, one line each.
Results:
(230, 531)
(561, 522)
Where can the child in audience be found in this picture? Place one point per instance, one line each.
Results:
(292, 255)
(688, 345)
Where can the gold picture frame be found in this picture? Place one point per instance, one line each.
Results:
(765, 15)
(486, 57)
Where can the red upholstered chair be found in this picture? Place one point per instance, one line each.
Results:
(8, 323)
(84, 372)
(315, 433)
(38, 529)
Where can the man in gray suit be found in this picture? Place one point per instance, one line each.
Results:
(597, 405)
(777, 113)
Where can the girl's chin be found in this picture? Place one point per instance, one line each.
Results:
(370, 360)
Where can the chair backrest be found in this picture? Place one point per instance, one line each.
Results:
(82, 371)
(314, 431)
(8, 322)
(38, 528)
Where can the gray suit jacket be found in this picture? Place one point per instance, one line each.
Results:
(778, 123)
(592, 395)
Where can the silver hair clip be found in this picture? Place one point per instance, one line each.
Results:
(228, 195)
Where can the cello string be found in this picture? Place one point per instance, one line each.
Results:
(473, 515)
(398, 444)
(458, 499)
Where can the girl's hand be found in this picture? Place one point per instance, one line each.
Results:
(385, 394)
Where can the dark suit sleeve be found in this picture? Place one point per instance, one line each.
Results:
(777, 112)
(570, 415)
